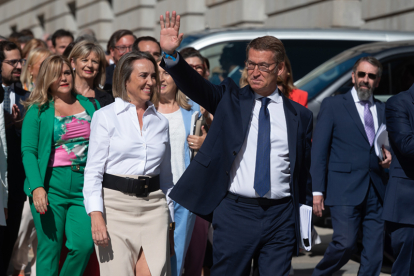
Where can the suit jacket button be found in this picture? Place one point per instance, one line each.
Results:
(227, 172)
(234, 153)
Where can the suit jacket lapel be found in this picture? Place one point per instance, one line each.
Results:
(246, 98)
(49, 118)
(353, 112)
(292, 125)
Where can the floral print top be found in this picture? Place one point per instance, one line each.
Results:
(70, 140)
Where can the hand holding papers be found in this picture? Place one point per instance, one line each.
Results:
(380, 140)
(308, 235)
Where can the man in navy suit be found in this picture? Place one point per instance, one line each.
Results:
(252, 171)
(347, 173)
(119, 44)
(398, 204)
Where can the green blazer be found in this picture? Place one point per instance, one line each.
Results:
(37, 140)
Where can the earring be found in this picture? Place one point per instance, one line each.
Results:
(73, 69)
(31, 78)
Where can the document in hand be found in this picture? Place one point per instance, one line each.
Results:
(381, 139)
(309, 236)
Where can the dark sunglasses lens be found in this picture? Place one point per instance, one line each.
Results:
(361, 74)
(372, 76)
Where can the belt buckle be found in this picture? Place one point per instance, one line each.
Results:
(146, 179)
(75, 168)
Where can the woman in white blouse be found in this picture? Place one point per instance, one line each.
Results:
(128, 175)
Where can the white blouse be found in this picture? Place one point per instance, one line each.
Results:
(117, 146)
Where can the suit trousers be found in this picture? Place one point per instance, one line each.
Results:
(242, 231)
(402, 242)
(184, 225)
(346, 223)
(65, 214)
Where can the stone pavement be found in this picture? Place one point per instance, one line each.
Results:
(304, 264)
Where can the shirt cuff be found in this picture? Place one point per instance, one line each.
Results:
(93, 203)
(317, 194)
(170, 62)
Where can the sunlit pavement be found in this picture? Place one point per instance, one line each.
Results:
(305, 263)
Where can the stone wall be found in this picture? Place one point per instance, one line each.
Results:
(142, 16)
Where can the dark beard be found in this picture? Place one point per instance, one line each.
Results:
(363, 93)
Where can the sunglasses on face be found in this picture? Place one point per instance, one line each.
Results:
(361, 75)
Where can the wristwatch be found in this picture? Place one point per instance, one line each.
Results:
(167, 56)
(172, 226)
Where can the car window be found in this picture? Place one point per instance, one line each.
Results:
(397, 76)
(326, 74)
(227, 58)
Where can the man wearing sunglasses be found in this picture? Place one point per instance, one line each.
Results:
(11, 66)
(346, 173)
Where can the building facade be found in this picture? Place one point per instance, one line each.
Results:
(104, 17)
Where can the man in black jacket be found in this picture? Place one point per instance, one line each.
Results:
(11, 66)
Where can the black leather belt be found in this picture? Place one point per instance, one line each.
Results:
(141, 187)
(260, 201)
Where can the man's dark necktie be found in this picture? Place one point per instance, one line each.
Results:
(6, 102)
(262, 172)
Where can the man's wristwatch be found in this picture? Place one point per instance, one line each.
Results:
(167, 56)
(172, 226)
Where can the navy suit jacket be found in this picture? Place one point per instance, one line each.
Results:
(109, 76)
(343, 162)
(399, 196)
(206, 181)
(16, 175)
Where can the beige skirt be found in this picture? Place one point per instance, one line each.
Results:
(134, 223)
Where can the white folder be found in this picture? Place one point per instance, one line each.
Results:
(308, 234)
(381, 139)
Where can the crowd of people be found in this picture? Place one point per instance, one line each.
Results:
(127, 161)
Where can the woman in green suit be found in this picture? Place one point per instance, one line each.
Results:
(55, 139)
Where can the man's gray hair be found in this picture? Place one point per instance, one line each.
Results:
(371, 60)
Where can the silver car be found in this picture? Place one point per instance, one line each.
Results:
(334, 76)
(306, 49)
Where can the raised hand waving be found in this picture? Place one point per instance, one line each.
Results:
(170, 37)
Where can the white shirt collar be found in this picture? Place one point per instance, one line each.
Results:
(275, 96)
(121, 105)
(357, 100)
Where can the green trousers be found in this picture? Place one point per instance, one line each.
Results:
(65, 214)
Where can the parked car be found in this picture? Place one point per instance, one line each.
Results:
(306, 48)
(334, 76)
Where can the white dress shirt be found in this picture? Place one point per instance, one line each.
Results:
(117, 146)
(360, 108)
(12, 97)
(243, 168)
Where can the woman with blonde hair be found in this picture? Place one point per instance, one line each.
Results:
(89, 63)
(174, 105)
(128, 175)
(55, 141)
(31, 67)
(27, 238)
(31, 45)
